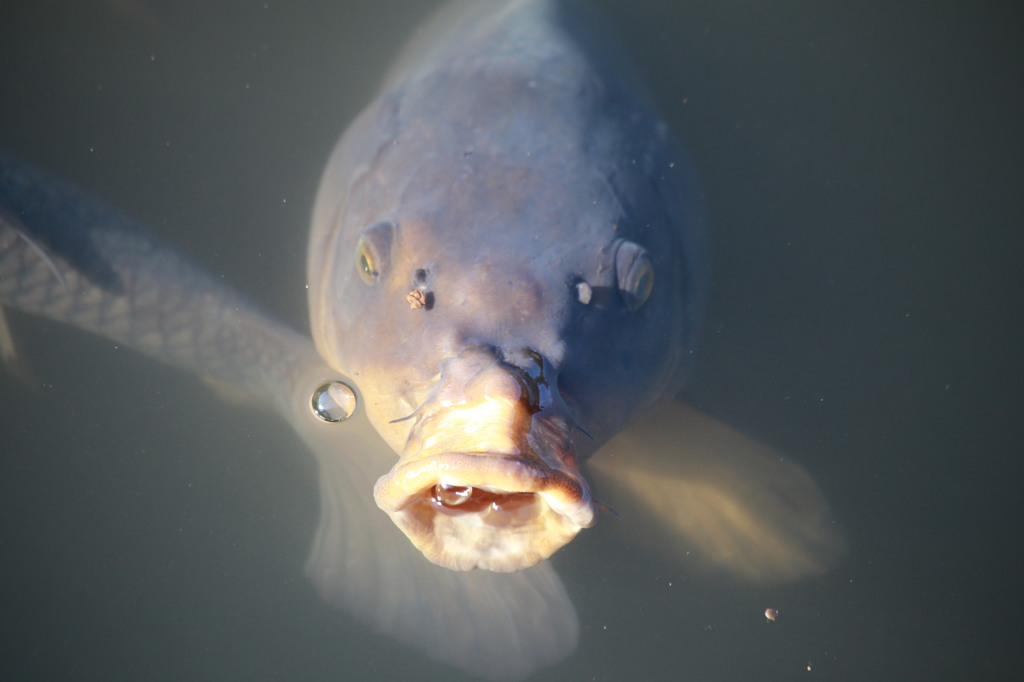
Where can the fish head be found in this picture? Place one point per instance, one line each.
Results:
(503, 314)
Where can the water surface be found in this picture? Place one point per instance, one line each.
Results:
(860, 161)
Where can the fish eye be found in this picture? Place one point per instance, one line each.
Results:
(373, 251)
(366, 263)
(334, 401)
(635, 274)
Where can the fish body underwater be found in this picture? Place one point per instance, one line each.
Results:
(506, 269)
(523, 184)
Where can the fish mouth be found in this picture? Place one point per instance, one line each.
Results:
(484, 510)
(488, 482)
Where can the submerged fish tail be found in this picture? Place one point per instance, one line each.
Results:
(66, 256)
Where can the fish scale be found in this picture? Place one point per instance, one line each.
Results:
(146, 295)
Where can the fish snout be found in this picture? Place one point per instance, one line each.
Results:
(488, 478)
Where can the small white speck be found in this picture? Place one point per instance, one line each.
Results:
(583, 292)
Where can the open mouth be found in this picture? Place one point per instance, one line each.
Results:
(464, 499)
(485, 510)
(487, 482)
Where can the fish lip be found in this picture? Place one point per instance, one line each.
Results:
(527, 511)
(487, 476)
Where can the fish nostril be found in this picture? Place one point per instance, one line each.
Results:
(420, 298)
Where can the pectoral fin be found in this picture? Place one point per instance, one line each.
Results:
(497, 625)
(716, 499)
